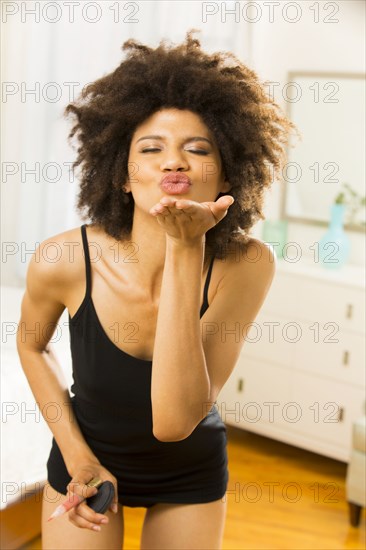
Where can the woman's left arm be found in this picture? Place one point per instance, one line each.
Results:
(180, 383)
(194, 357)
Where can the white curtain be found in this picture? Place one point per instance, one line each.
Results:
(50, 54)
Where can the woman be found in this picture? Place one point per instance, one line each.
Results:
(174, 147)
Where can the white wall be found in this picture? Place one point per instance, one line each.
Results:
(72, 49)
(34, 131)
(310, 44)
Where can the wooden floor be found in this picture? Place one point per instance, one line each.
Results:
(279, 497)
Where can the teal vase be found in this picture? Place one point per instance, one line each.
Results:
(334, 247)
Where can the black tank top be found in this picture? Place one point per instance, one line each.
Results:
(111, 388)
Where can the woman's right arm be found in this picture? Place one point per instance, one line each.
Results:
(41, 308)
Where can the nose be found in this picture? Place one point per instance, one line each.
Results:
(174, 160)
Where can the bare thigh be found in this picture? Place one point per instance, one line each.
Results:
(184, 526)
(61, 534)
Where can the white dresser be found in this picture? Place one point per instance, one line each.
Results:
(300, 377)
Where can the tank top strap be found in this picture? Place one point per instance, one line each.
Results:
(87, 259)
(207, 283)
(88, 271)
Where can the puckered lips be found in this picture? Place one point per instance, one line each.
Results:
(176, 183)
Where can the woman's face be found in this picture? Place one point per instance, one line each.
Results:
(170, 141)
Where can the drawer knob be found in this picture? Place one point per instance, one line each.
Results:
(349, 311)
(346, 358)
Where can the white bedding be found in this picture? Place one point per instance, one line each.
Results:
(25, 435)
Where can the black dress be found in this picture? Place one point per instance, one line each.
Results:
(112, 404)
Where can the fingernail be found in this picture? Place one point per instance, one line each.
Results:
(115, 508)
(96, 528)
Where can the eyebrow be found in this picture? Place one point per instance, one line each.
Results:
(195, 138)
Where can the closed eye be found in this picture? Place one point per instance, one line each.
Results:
(197, 152)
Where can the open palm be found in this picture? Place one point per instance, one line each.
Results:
(188, 220)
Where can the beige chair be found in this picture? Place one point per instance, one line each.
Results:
(356, 472)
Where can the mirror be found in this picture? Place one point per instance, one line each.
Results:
(329, 112)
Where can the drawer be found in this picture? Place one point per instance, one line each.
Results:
(324, 410)
(266, 341)
(296, 297)
(255, 392)
(325, 351)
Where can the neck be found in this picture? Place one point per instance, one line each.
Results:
(148, 239)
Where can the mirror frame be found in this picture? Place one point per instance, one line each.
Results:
(284, 190)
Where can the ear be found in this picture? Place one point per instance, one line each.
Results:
(225, 184)
(225, 187)
(126, 187)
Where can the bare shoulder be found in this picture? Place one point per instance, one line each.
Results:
(57, 263)
(51, 270)
(252, 264)
(260, 254)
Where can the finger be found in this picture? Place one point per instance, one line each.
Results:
(186, 205)
(80, 487)
(77, 487)
(167, 211)
(162, 214)
(83, 511)
(174, 211)
(172, 215)
(114, 504)
(159, 209)
(225, 202)
(182, 206)
(220, 208)
(80, 518)
(167, 201)
(168, 205)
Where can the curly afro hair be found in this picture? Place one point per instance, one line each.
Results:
(250, 129)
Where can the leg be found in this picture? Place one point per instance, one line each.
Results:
(184, 526)
(354, 513)
(61, 534)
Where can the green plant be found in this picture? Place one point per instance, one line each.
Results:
(352, 200)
